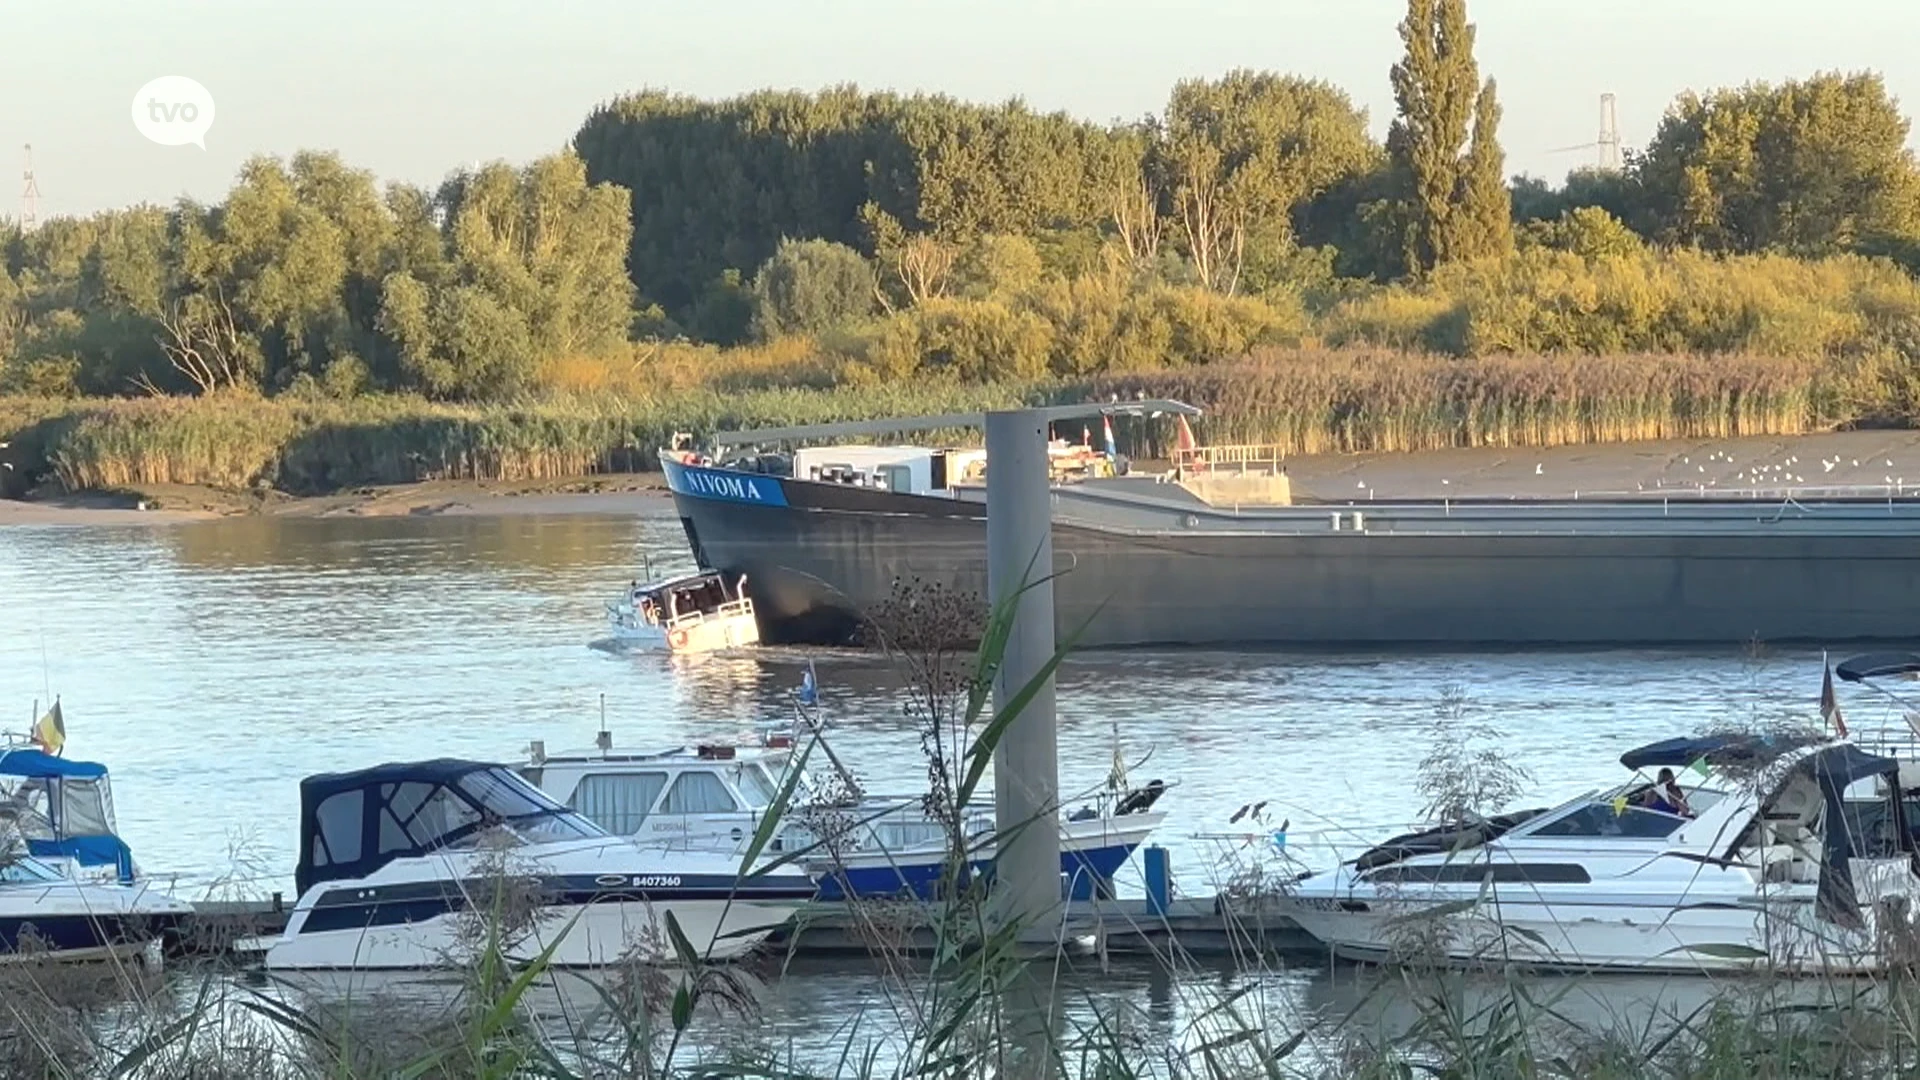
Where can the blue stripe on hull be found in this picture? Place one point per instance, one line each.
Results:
(72, 933)
(359, 907)
(906, 878)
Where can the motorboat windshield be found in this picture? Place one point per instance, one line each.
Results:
(27, 870)
(354, 823)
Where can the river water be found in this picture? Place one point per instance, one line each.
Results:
(213, 665)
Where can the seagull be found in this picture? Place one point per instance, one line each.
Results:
(1538, 469)
(1686, 461)
(1889, 463)
(1444, 480)
(1702, 468)
(1856, 463)
(1828, 465)
(1363, 483)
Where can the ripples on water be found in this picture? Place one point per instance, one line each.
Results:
(214, 665)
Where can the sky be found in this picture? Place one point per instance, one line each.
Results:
(413, 89)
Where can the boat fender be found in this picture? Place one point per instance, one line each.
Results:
(678, 639)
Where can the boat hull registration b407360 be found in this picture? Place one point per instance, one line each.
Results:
(401, 864)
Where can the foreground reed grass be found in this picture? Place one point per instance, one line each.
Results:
(1305, 401)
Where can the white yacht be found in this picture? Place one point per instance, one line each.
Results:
(396, 860)
(699, 612)
(1797, 866)
(714, 797)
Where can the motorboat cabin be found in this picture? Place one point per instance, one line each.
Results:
(700, 612)
(63, 810)
(1779, 858)
(714, 798)
(397, 861)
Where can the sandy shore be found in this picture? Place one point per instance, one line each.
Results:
(1873, 462)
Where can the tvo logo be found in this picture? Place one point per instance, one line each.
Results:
(173, 110)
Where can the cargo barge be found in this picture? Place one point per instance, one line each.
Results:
(1149, 561)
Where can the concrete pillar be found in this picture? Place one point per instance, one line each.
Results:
(1026, 763)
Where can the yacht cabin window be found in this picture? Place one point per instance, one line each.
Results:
(1601, 820)
(86, 807)
(698, 793)
(338, 816)
(620, 802)
(754, 784)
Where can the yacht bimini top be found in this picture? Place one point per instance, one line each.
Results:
(1878, 665)
(353, 823)
(1715, 750)
(76, 819)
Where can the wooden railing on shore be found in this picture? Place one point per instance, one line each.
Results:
(1262, 458)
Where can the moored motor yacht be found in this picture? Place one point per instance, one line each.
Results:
(713, 797)
(1795, 866)
(396, 862)
(698, 612)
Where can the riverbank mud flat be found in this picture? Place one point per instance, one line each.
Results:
(1865, 462)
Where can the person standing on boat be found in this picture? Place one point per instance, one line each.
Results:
(1666, 797)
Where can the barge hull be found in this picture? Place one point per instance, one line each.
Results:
(818, 558)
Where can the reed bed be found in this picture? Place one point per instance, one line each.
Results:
(1345, 401)
(1305, 401)
(315, 446)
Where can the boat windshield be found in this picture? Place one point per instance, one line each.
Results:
(25, 870)
(757, 786)
(502, 794)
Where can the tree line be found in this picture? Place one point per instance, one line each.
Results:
(908, 234)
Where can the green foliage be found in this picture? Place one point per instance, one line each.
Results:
(307, 273)
(724, 313)
(997, 266)
(1457, 206)
(1812, 168)
(809, 287)
(1235, 157)
(1846, 311)
(1589, 232)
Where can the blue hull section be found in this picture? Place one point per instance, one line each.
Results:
(903, 877)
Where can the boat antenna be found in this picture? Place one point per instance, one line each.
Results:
(604, 740)
(646, 564)
(46, 671)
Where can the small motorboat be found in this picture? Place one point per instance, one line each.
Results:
(46, 914)
(395, 860)
(714, 797)
(699, 612)
(1791, 861)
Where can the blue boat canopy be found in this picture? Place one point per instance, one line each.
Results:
(1715, 749)
(64, 810)
(1878, 666)
(39, 765)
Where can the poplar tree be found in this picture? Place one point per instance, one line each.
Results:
(1445, 141)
